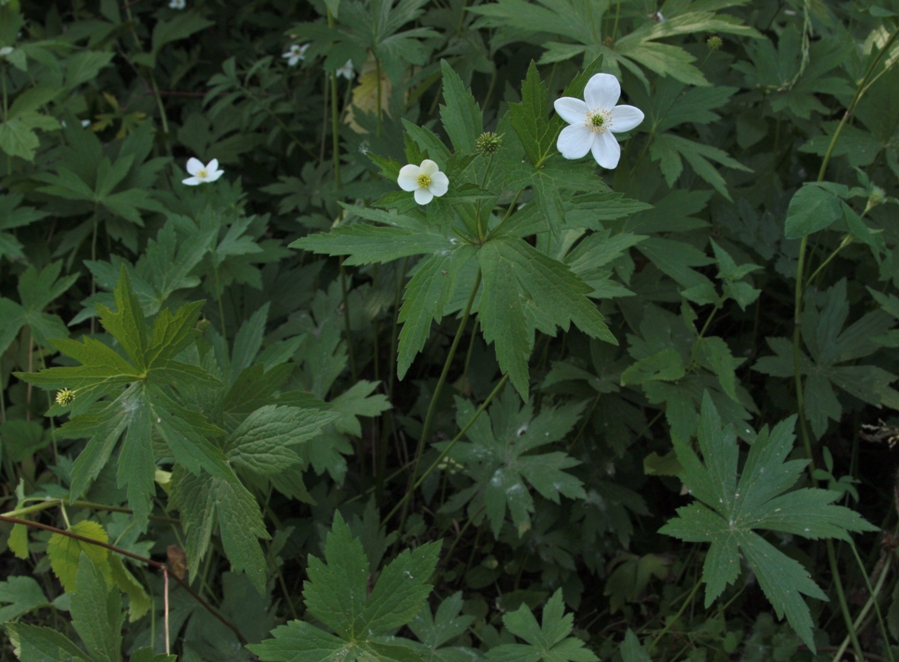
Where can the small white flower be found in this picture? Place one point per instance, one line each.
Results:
(6, 50)
(593, 121)
(295, 53)
(346, 70)
(426, 180)
(202, 174)
(177, 4)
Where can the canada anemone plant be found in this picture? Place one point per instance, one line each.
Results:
(508, 330)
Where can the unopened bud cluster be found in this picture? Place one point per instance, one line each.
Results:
(714, 43)
(488, 143)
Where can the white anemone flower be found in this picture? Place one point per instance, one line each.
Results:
(593, 121)
(426, 180)
(346, 70)
(202, 174)
(295, 53)
(177, 4)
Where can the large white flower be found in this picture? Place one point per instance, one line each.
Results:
(426, 180)
(202, 174)
(594, 120)
(295, 53)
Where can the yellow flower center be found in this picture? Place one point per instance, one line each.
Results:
(202, 173)
(599, 120)
(424, 181)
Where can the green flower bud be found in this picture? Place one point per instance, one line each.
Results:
(65, 397)
(488, 142)
(714, 43)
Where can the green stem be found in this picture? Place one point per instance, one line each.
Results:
(505, 218)
(672, 621)
(405, 500)
(118, 550)
(96, 227)
(872, 602)
(432, 407)
(218, 296)
(586, 422)
(378, 73)
(705, 327)
(5, 98)
(797, 338)
(617, 16)
(346, 320)
(44, 505)
(846, 241)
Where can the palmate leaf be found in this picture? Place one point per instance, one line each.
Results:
(337, 594)
(37, 289)
(546, 642)
(143, 407)
(427, 293)
(524, 290)
(829, 346)
(728, 510)
(498, 458)
(668, 150)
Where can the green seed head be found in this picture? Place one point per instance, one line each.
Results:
(65, 397)
(714, 43)
(488, 143)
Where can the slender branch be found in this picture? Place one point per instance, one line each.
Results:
(124, 552)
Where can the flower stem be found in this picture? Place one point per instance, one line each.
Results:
(405, 500)
(671, 621)
(797, 340)
(218, 296)
(705, 327)
(429, 417)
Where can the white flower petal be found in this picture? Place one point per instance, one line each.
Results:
(194, 165)
(408, 179)
(575, 140)
(215, 175)
(625, 118)
(192, 181)
(573, 111)
(602, 91)
(606, 150)
(439, 184)
(213, 165)
(423, 196)
(428, 167)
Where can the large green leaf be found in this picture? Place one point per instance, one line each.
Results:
(729, 510)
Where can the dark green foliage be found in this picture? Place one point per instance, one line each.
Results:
(523, 411)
